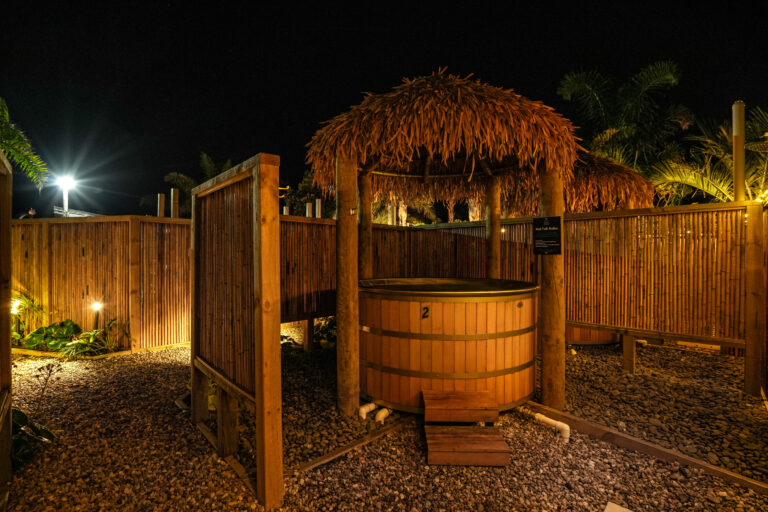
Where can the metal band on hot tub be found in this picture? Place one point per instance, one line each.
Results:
(446, 337)
(440, 375)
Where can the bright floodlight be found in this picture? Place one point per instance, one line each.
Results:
(66, 183)
(96, 306)
(15, 307)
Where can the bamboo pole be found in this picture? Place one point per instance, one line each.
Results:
(493, 228)
(174, 203)
(347, 312)
(365, 257)
(161, 205)
(552, 299)
(739, 184)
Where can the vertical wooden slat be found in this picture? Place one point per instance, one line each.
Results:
(134, 283)
(754, 271)
(6, 189)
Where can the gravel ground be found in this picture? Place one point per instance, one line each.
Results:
(311, 425)
(682, 399)
(109, 457)
(544, 474)
(121, 442)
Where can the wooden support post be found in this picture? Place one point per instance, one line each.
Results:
(755, 305)
(737, 127)
(630, 352)
(308, 326)
(175, 203)
(6, 190)
(134, 282)
(365, 256)
(347, 308)
(552, 298)
(199, 396)
(318, 208)
(493, 228)
(308, 207)
(286, 211)
(161, 205)
(227, 419)
(266, 286)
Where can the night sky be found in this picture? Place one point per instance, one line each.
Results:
(120, 96)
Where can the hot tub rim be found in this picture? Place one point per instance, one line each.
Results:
(378, 287)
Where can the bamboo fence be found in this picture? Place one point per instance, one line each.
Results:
(672, 272)
(137, 267)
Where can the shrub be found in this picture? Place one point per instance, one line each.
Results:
(53, 337)
(97, 341)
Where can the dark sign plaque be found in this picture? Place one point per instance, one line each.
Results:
(547, 235)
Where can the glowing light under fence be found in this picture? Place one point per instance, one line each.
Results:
(15, 307)
(96, 306)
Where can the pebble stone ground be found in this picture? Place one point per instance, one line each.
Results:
(681, 399)
(123, 445)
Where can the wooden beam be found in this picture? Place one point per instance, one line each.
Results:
(365, 257)
(347, 309)
(552, 298)
(161, 205)
(227, 415)
(630, 352)
(174, 203)
(755, 304)
(493, 228)
(266, 287)
(6, 196)
(134, 281)
(199, 396)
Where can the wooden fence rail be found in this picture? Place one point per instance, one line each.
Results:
(137, 267)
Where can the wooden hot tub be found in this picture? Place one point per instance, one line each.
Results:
(446, 334)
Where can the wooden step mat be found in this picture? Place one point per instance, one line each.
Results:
(459, 406)
(466, 446)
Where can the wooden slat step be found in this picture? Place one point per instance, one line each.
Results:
(459, 406)
(466, 446)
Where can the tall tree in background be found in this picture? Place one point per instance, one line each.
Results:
(631, 122)
(18, 149)
(707, 175)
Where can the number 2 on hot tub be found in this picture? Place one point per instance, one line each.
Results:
(425, 312)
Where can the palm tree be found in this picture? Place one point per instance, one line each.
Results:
(17, 147)
(709, 171)
(628, 122)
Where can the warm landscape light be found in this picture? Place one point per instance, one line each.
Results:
(96, 306)
(15, 307)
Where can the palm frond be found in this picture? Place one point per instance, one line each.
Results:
(587, 89)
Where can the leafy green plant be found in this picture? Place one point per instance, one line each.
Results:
(96, 341)
(17, 147)
(26, 436)
(25, 312)
(53, 337)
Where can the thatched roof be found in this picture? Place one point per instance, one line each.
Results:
(443, 137)
(597, 184)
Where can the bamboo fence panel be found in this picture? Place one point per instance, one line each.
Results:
(165, 283)
(68, 264)
(224, 276)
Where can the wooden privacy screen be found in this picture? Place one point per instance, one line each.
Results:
(6, 430)
(236, 312)
(137, 267)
